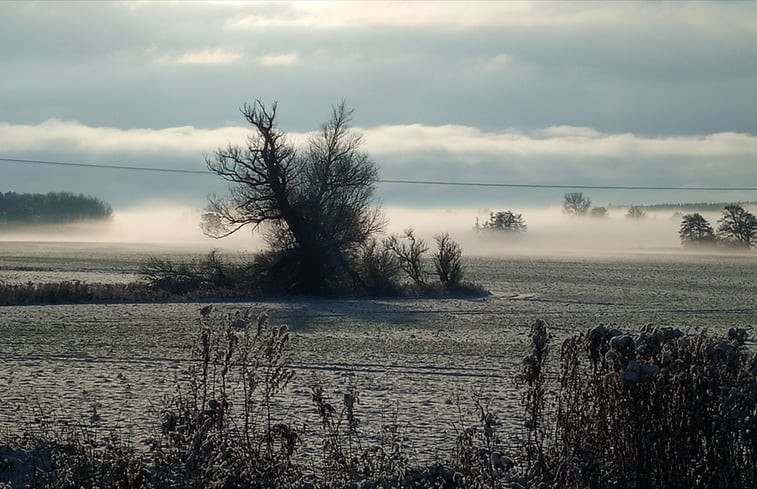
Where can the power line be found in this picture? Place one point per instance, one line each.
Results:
(109, 167)
(395, 181)
(583, 187)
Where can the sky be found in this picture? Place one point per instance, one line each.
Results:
(548, 93)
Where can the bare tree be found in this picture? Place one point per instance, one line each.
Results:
(598, 212)
(409, 251)
(448, 261)
(576, 203)
(636, 212)
(696, 231)
(737, 226)
(315, 207)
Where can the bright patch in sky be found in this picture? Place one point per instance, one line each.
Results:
(209, 56)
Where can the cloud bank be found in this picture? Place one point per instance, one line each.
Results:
(562, 155)
(565, 141)
(643, 68)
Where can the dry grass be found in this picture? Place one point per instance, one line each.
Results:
(661, 409)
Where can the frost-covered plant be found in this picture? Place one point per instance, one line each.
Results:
(210, 273)
(661, 409)
(72, 292)
(480, 455)
(66, 455)
(220, 430)
(533, 378)
(341, 439)
(658, 409)
(350, 455)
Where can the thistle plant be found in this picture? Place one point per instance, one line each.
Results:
(533, 378)
(661, 409)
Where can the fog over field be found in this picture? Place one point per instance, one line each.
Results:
(549, 230)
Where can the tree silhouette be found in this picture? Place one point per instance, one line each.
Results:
(409, 251)
(576, 203)
(737, 227)
(506, 221)
(51, 208)
(636, 212)
(315, 207)
(598, 212)
(696, 231)
(448, 261)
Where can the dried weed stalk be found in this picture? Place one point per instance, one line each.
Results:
(222, 430)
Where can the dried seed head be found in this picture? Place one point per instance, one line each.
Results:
(598, 332)
(623, 343)
(262, 319)
(612, 356)
(239, 323)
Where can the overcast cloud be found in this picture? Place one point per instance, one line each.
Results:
(549, 93)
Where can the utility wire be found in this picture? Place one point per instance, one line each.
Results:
(538, 185)
(109, 167)
(395, 181)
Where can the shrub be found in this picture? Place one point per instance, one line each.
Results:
(636, 212)
(220, 429)
(73, 292)
(74, 455)
(448, 261)
(379, 267)
(208, 273)
(658, 410)
(409, 251)
(533, 378)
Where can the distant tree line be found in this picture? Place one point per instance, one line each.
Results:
(737, 228)
(694, 206)
(50, 208)
(578, 204)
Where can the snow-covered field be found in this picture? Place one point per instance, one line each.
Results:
(409, 358)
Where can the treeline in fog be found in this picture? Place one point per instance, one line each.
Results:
(693, 206)
(50, 208)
